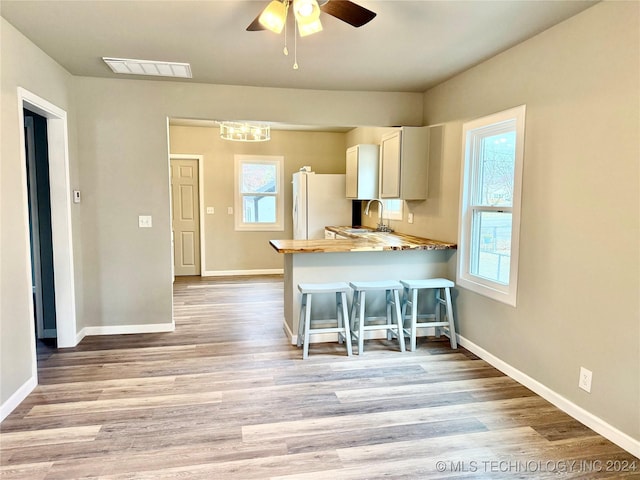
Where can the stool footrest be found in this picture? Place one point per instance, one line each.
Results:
(326, 330)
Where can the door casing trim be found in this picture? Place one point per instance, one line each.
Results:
(62, 235)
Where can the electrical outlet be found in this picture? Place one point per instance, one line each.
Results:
(230, 210)
(410, 218)
(585, 379)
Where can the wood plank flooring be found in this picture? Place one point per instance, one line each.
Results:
(226, 396)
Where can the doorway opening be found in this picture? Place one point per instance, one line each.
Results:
(39, 204)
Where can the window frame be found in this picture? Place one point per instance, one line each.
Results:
(472, 132)
(240, 224)
(391, 213)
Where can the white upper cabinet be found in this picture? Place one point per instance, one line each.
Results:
(362, 171)
(404, 163)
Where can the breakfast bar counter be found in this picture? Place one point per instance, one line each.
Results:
(363, 255)
(364, 240)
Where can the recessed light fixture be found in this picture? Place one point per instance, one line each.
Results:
(129, 66)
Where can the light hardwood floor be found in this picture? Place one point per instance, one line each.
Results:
(226, 396)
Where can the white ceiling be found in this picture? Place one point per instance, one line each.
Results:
(409, 47)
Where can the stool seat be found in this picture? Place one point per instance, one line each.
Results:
(428, 283)
(410, 298)
(359, 319)
(324, 287)
(306, 324)
(373, 286)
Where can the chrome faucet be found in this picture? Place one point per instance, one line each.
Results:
(381, 226)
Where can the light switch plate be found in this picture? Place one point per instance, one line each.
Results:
(230, 210)
(144, 221)
(210, 211)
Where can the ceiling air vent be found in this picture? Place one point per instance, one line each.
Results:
(130, 66)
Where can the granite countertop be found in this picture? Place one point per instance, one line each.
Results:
(364, 240)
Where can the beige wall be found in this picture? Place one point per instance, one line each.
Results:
(226, 249)
(23, 65)
(578, 298)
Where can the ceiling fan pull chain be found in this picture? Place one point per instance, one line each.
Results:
(295, 46)
(285, 50)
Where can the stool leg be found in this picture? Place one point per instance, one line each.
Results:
(307, 327)
(353, 316)
(396, 304)
(405, 300)
(437, 330)
(303, 304)
(389, 302)
(414, 317)
(452, 327)
(339, 316)
(345, 321)
(361, 324)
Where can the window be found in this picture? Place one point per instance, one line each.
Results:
(393, 209)
(259, 203)
(490, 204)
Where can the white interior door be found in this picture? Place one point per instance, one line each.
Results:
(186, 216)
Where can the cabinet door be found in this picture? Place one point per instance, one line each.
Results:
(390, 146)
(352, 173)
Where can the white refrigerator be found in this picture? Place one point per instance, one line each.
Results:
(319, 200)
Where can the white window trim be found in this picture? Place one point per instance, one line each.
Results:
(240, 225)
(497, 291)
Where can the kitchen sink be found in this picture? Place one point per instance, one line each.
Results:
(357, 230)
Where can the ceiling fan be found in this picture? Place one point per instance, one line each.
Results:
(307, 13)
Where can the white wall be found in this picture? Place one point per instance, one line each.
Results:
(578, 300)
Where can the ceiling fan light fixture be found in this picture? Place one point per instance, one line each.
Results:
(274, 16)
(306, 9)
(309, 27)
(307, 13)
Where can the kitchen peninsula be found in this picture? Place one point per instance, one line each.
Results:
(360, 254)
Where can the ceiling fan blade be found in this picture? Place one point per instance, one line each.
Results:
(348, 12)
(255, 25)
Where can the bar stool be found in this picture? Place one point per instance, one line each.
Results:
(305, 329)
(359, 320)
(410, 297)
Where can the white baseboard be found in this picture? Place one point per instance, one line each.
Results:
(595, 423)
(229, 273)
(127, 329)
(16, 399)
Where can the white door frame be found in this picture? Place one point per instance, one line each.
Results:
(200, 159)
(57, 139)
